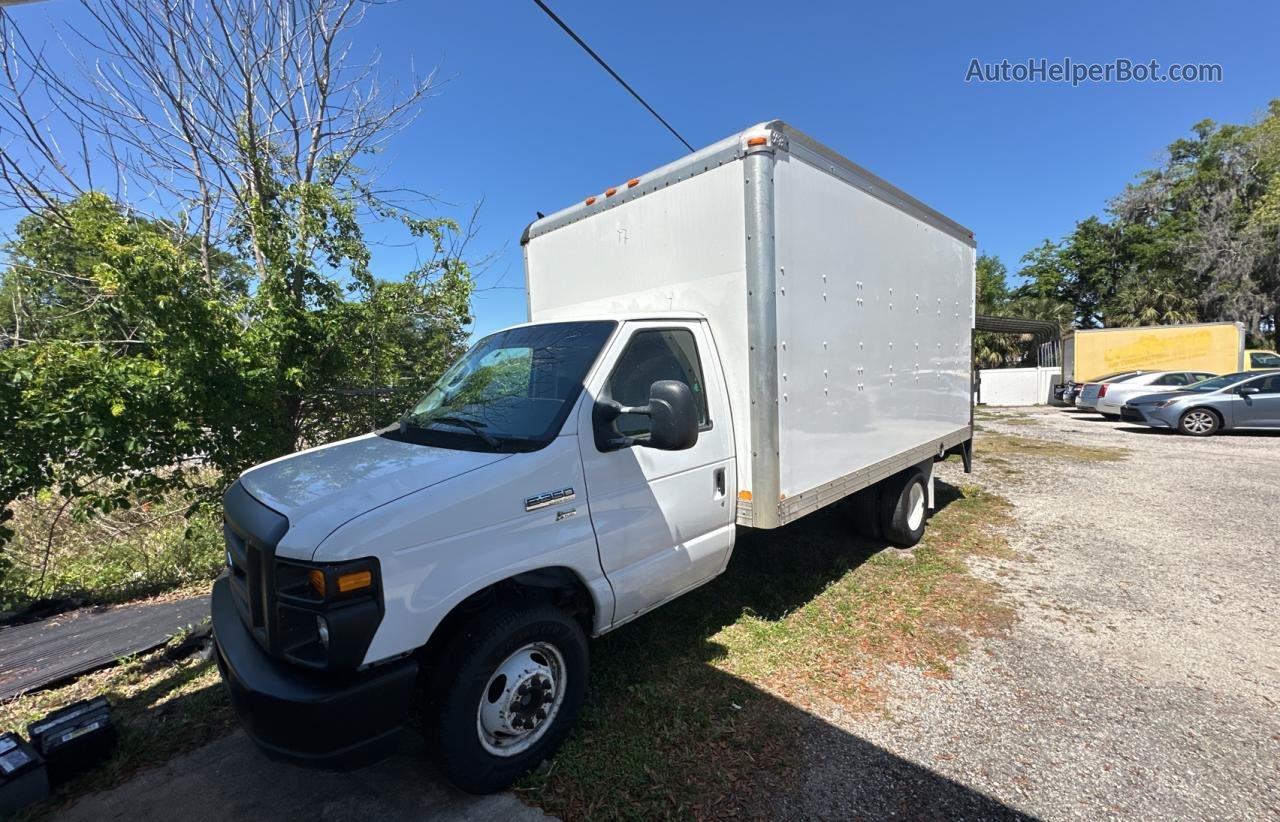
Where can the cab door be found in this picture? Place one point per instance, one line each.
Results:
(664, 520)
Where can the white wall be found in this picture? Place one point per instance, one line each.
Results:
(1017, 386)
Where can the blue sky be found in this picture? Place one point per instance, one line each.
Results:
(527, 122)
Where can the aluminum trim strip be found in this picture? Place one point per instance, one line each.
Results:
(792, 508)
(726, 151)
(762, 330)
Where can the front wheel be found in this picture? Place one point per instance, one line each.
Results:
(517, 677)
(1199, 422)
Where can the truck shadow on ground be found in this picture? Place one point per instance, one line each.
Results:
(665, 732)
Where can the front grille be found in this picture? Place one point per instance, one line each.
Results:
(252, 531)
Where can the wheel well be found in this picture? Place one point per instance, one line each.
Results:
(556, 585)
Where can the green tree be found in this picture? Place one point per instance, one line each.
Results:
(246, 320)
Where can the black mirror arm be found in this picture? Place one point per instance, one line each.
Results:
(607, 411)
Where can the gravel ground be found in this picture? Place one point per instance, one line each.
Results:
(1142, 680)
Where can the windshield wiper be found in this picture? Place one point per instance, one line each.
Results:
(474, 426)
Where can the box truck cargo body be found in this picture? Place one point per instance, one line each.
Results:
(1215, 347)
(739, 338)
(841, 307)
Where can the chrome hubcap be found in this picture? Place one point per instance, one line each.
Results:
(521, 700)
(1198, 422)
(915, 507)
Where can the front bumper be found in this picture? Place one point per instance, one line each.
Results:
(1143, 415)
(333, 721)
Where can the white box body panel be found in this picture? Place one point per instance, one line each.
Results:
(680, 248)
(867, 294)
(875, 311)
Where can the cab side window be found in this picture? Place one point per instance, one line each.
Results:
(650, 356)
(1172, 379)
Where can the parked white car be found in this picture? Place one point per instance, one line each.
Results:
(1112, 396)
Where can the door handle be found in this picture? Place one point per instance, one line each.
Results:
(719, 482)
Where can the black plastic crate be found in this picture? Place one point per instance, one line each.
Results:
(75, 738)
(23, 780)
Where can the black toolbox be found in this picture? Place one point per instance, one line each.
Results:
(23, 780)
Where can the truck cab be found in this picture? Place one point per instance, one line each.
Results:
(1260, 359)
(345, 559)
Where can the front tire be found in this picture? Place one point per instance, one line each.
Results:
(1199, 422)
(514, 682)
(904, 508)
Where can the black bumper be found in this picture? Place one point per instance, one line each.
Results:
(331, 721)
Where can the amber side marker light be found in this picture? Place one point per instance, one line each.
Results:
(633, 182)
(589, 200)
(744, 495)
(317, 581)
(354, 581)
(611, 192)
(757, 141)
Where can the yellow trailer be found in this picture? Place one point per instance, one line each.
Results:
(1091, 353)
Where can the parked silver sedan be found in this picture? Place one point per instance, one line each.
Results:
(1112, 396)
(1088, 396)
(1247, 399)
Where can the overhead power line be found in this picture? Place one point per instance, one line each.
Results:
(612, 73)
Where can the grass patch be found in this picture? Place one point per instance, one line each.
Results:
(1015, 420)
(62, 551)
(698, 709)
(990, 445)
(161, 708)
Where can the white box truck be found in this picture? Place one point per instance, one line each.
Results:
(739, 338)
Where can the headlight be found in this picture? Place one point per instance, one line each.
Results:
(327, 613)
(1165, 403)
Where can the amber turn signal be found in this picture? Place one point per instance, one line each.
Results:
(757, 141)
(317, 581)
(354, 581)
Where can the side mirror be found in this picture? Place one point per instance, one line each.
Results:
(1248, 390)
(673, 416)
(672, 413)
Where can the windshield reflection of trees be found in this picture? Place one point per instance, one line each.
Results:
(515, 383)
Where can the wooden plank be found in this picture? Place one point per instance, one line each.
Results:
(42, 653)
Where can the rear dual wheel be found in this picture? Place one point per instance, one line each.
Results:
(895, 510)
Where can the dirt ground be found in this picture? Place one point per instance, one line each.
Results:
(1142, 680)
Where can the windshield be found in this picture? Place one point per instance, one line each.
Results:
(511, 392)
(1216, 383)
(1264, 359)
(1125, 377)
